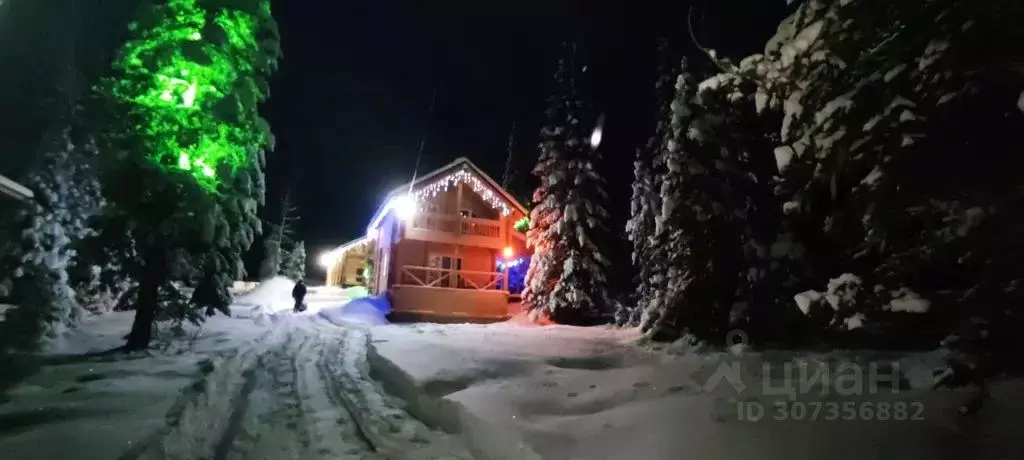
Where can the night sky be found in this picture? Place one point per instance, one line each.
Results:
(350, 102)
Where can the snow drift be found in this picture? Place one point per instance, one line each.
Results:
(592, 393)
(370, 311)
(271, 296)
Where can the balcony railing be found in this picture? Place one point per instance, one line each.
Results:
(453, 223)
(481, 227)
(446, 223)
(451, 278)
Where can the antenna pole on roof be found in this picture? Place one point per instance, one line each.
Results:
(506, 177)
(423, 139)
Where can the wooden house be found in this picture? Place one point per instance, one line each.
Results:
(436, 246)
(348, 264)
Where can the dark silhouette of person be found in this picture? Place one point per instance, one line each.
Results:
(299, 293)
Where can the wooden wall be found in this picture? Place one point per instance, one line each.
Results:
(431, 303)
(417, 253)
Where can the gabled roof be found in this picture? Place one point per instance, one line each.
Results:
(348, 245)
(331, 257)
(14, 190)
(428, 178)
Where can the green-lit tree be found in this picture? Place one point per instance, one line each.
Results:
(185, 147)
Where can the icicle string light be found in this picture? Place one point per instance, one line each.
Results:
(464, 176)
(331, 258)
(503, 264)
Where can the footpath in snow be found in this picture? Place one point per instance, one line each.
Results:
(517, 392)
(267, 386)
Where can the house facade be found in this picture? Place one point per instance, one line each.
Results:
(439, 247)
(348, 264)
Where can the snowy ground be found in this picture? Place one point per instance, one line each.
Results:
(276, 385)
(279, 386)
(568, 393)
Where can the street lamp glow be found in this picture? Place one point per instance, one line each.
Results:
(327, 259)
(595, 137)
(598, 134)
(404, 206)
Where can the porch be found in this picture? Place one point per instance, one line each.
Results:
(432, 294)
(452, 278)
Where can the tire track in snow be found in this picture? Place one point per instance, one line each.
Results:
(336, 428)
(241, 406)
(389, 428)
(196, 425)
(336, 393)
(273, 428)
(300, 391)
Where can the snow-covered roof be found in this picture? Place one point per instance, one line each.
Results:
(14, 190)
(461, 162)
(345, 247)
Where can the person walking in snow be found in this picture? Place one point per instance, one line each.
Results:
(299, 293)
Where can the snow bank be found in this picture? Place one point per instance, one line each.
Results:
(371, 311)
(429, 364)
(271, 296)
(805, 299)
(3, 310)
(783, 155)
(557, 392)
(99, 406)
(905, 300)
(242, 287)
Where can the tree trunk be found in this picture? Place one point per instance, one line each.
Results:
(154, 274)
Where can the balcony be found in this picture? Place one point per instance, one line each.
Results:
(430, 277)
(453, 228)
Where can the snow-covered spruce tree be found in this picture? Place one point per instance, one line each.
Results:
(186, 145)
(694, 233)
(104, 279)
(270, 265)
(294, 264)
(42, 239)
(66, 195)
(547, 256)
(581, 293)
(99, 286)
(670, 248)
(767, 260)
(566, 278)
(639, 231)
(545, 216)
(644, 205)
(280, 235)
(718, 217)
(880, 169)
(238, 226)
